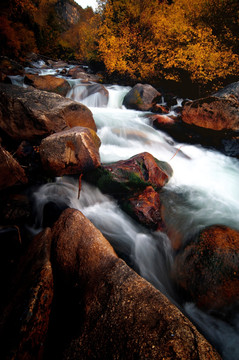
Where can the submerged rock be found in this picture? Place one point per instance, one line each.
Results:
(73, 151)
(114, 313)
(141, 97)
(30, 114)
(207, 268)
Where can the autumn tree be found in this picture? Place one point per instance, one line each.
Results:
(42, 26)
(186, 45)
(81, 40)
(126, 38)
(151, 40)
(16, 34)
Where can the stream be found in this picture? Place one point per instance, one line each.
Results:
(204, 185)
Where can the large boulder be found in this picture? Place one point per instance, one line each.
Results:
(219, 111)
(25, 315)
(73, 151)
(132, 175)
(114, 313)
(48, 83)
(141, 97)
(32, 114)
(11, 172)
(207, 268)
(229, 92)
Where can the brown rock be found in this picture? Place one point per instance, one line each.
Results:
(48, 83)
(160, 120)
(173, 126)
(72, 151)
(208, 267)
(11, 172)
(132, 175)
(145, 208)
(78, 73)
(141, 97)
(160, 109)
(25, 318)
(230, 91)
(57, 64)
(145, 167)
(217, 112)
(33, 114)
(122, 316)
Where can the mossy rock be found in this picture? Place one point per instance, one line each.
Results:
(132, 175)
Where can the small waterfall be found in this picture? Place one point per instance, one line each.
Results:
(96, 95)
(202, 191)
(17, 80)
(116, 95)
(91, 95)
(149, 253)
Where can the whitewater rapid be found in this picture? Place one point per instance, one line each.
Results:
(204, 185)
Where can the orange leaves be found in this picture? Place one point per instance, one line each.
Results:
(82, 38)
(15, 38)
(149, 40)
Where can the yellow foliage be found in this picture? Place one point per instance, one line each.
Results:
(148, 40)
(82, 38)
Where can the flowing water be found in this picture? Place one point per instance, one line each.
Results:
(204, 188)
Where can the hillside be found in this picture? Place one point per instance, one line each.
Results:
(40, 26)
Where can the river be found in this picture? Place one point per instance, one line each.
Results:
(205, 188)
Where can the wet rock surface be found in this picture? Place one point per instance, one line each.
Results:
(48, 83)
(207, 268)
(145, 208)
(141, 97)
(27, 114)
(72, 151)
(122, 316)
(131, 175)
(217, 112)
